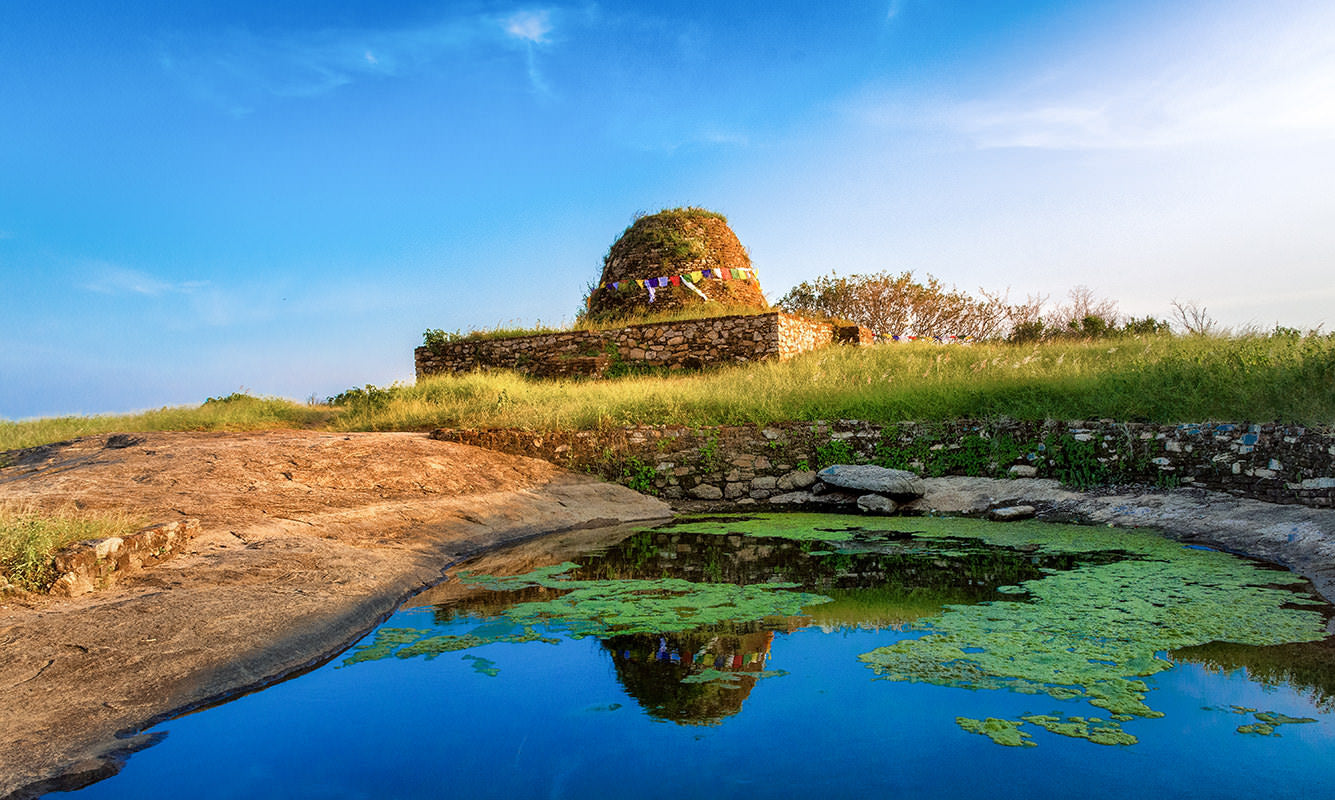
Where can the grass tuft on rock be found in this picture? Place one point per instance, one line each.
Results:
(29, 538)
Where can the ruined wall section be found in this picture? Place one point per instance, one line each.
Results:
(682, 344)
(752, 465)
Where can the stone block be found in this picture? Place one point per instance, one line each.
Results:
(706, 491)
(895, 483)
(1011, 513)
(877, 504)
(799, 479)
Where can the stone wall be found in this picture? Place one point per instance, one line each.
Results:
(754, 465)
(684, 344)
(93, 564)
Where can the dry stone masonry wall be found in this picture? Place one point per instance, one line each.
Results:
(85, 566)
(682, 344)
(764, 465)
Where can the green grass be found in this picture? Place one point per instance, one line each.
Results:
(29, 538)
(1164, 379)
(235, 412)
(436, 337)
(1153, 379)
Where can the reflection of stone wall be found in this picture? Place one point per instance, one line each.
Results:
(688, 343)
(752, 465)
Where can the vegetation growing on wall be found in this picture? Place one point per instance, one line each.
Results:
(29, 538)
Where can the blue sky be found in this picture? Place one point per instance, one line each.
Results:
(201, 198)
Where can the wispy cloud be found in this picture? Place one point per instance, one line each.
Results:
(110, 279)
(239, 70)
(1244, 79)
(530, 26)
(533, 30)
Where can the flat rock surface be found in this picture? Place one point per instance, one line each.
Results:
(307, 541)
(897, 483)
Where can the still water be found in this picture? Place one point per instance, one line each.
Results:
(799, 655)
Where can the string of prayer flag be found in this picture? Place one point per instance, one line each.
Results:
(688, 279)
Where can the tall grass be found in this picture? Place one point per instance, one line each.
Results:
(235, 412)
(1154, 379)
(1166, 379)
(29, 538)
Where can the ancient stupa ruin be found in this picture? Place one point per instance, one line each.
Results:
(673, 259)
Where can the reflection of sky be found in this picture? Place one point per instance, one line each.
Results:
(548, 724)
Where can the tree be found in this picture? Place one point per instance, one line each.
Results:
(900, 305)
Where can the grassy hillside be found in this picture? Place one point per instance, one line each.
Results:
(1157, 379)
(1278, 378)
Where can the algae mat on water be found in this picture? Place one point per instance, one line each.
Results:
(1086, 633)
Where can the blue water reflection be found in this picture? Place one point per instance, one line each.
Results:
(604, 716)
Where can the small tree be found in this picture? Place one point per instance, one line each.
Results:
(1192, 319)
(898, 304)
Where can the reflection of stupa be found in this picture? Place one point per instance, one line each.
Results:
(669, 675)
(692, 250)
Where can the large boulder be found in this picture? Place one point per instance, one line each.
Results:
(894, 483)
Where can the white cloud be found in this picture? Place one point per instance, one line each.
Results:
(529, 26)
(239, 70)
(113, 280)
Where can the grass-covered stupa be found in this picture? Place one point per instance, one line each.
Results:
(671, 260)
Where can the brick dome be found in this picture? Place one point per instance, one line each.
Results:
(669, 244)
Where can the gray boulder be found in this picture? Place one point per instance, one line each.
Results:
(894, 483)
(877, 504)
(1012, 513)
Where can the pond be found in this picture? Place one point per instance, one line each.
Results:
(799, 655)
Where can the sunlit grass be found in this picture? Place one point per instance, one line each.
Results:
(1153, 379)
(233, 413)
(29, 538)
(1162, 379)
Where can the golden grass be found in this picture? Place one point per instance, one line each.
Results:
(29, 538)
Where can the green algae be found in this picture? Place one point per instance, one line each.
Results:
(1268, 721)
(1085, 617)
(1092, 728)
(484, 666)
(729, 679)
(1002, 731)
(410, 642)
(1094, 631)
(606, 608)
(796, 526)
